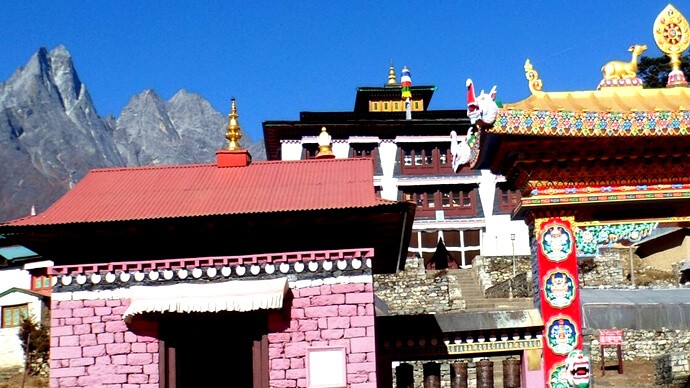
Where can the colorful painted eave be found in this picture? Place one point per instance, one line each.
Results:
(579, 196)
(609, 112)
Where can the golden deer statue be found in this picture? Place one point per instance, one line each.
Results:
(624, 70)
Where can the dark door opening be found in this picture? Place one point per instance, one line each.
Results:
(225, 349)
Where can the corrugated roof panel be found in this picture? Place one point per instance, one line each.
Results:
(119, 194)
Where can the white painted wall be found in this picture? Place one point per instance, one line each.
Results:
(497, 240)
(14, 277)
(11, 353)
(291, 150)
(340, 148)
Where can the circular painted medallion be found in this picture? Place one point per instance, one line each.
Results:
(558, 376)
(559, 288)
(561, 335)
(556, 243)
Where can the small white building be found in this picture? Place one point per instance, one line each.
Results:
(25, 289)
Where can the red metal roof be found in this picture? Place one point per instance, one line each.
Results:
(137, 193)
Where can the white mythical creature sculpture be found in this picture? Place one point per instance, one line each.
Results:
(460, 149)
(577, 368)
(482, 111)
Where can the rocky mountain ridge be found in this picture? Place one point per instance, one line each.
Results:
(51, 134)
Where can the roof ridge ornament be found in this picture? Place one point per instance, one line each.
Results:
(325, 147)
(672, 36)
(233, 131)
(621, 73)
(392, 78)
(532, 75)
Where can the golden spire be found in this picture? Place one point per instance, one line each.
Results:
(672, 35)
(325, 149)
(392, 81)
(233, 132)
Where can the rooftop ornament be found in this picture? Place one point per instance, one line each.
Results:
(391, 77)
(325, 149)
(233, 132)
(482, 111)
(533, 78)
(620, 73)
(672, 36)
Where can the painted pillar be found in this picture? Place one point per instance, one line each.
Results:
(558, 296)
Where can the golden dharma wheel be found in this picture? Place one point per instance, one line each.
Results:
(671, 31)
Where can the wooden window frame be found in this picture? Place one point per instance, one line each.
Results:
(429, 200)
(507, 199)
(11, 309)
(363, 150)
(419, 160)
(44, 282)
(436, 159)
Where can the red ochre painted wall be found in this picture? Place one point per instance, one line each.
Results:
(91, 345)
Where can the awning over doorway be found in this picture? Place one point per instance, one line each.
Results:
(237, 295)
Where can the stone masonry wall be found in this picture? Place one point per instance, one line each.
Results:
(92, 346)
(672, 370)
(417, 291)
(640, 344)
(492, 270)
(605, 269)
(520, 286)
(325, 315)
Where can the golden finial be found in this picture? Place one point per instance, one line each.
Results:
(391, 75)
(233, 132)
(325, 150)
(672, 35)
(392, 80)
(533, 78)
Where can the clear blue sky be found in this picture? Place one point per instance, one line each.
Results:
(282, 57)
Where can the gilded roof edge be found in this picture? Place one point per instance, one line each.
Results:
(618, 99)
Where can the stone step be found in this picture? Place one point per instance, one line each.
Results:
(472, 295)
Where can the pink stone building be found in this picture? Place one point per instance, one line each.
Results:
(229, 274)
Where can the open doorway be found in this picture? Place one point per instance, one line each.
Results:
(223, 349)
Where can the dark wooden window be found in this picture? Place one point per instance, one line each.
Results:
(507, 199)
(453, 200)
(12, 316)
(310, 150)
(427, 158)
(421, 159)
(362, 150)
